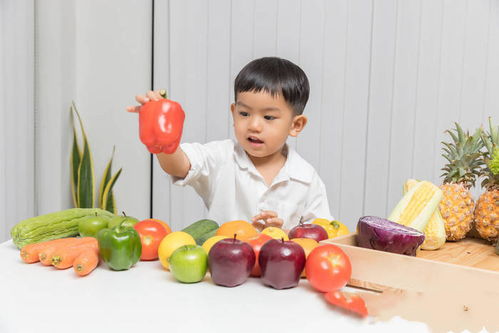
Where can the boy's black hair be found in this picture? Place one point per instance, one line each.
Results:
(275, 76)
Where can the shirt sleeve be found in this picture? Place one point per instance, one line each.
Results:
(317, 204)
(205, 160)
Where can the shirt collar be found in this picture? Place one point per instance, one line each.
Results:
(295, 166)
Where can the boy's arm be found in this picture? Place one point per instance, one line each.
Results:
(176, 164)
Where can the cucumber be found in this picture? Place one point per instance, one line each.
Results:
(201, 239)
(52, 226)
(200, 228)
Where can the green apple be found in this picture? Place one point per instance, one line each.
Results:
(189, 263)
(128, 221)
(89, 226)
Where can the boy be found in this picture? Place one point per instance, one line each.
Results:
(259, 177)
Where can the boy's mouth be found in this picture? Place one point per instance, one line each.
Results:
(254, 139)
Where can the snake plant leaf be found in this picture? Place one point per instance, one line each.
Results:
(85, 184)
(105, 179)
(75, 162)
(108, 202)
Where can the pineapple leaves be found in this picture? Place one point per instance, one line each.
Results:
(82, 173)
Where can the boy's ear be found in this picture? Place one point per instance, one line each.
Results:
(298, 124)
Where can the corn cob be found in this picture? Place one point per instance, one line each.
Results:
(434, 232)
(417, 206)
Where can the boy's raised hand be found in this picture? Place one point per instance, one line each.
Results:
(266, 218)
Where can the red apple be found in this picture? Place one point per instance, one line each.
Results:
(281, 263)
(231, 262)
(308, 230)
(257, 243)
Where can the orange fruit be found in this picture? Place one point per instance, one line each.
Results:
(308, 245)
(242, 229)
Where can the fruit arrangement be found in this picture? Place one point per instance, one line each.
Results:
(447, 212)
(231, 252)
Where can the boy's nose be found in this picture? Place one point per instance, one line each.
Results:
(255, 124)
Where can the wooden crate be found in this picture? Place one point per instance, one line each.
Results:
(470, 263)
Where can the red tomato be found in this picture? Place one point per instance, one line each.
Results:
(328, 268)
(164, 224)
(257, 243)
(348, 301)
(151, 234)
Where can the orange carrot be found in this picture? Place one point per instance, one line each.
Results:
(29, 253)
(63, 257)
(86, 261)
(46, 254)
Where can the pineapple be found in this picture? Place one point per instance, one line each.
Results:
(460, 173)
(487, 208)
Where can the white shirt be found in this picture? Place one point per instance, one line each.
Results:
(233, 189)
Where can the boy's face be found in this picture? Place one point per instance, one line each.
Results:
(262, 123)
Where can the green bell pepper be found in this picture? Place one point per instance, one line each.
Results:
(119, 247)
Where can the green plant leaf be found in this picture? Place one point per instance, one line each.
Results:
(108, 202)
(85, 184)
(75, 161)
(105, 179)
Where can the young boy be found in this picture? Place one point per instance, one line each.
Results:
(259, 177)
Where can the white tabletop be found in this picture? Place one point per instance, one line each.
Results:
(36, 298)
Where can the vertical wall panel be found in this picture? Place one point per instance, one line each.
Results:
(333, 98)
(17, 191)
(311, 61)
(404, 114)
(383, 61)
(358, 50)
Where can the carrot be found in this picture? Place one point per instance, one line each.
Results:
(63, 257)
(86, 262)
(29, 253)
(45, 255)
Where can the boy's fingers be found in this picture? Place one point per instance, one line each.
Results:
(134, 109)
(258, 226)
(266, 214)
(142, 99)
(274, 222)
(153, 95)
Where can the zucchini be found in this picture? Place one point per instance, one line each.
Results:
(52, 226)
(200, 228)
(201, 239)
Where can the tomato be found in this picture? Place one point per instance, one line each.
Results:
(328, 268)
(257, 243)
(164, 224)
(151, 234)
(348, 301)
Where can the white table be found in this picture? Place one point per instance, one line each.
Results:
(146, 298)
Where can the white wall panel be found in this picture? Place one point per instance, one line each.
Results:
(17, 191)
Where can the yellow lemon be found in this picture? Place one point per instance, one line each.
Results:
(211, 241)
(333, 228)
(170, 243)
(276, 233)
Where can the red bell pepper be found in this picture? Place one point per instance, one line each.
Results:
(160, 124)
(348, 301)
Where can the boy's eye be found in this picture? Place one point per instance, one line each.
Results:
(243, 113)
(269, 117)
